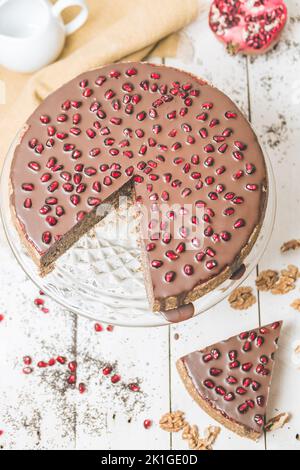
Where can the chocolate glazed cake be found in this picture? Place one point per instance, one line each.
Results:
(161, 136)
(231, 380)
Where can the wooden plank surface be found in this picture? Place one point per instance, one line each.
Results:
(41, 411)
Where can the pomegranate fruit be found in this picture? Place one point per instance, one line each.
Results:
(248, 26)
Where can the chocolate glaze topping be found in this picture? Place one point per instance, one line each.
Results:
(176, 138)
(234, 376)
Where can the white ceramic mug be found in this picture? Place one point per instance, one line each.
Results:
(32, 32)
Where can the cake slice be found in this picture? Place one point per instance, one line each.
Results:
(231, 380)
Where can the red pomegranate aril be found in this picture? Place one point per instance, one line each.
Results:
(241, 391)
(214, 122)
(33, 143)
(260, 400)
(230, 115)
(170, 276)
(232, 355)
(80, 216)
(214, 371)
(225, 236)
(259, 341)
(250, 403)
(53, 187)
(156, 264)
(251, 187)
(75, 199)
(81, 188)
(243, 408)
(77, 178)
(239, 223)
(209, 148)
(220, 390)
(250, 168)
(275, 325)
(76, 154)
(209, 384)
(244, 335)
(238, 155)
(59, 211)
(247, 382)
(45, 119)
(171, 255)
(234, 365)
(202, 117)
(231, 380)
(207, 357)
(39, 149)
(50, 143)
(259, 420)
(51, 201)
(247, 346)
(65, 175)
(229, 396)
(93, 201)
(72, 366)
(27, 187)
(91, 133)
(72, 379)
(51, 220)
(147, 423)
(42, 364)
(211, 264)
(223, 148)
(27, 203)
(82, 388)
(215, 354)
(115, 378)
(255, 385)
(247, 366)
(90, 171)
(68, 187)
(34, 166)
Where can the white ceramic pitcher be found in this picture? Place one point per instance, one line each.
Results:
(32, 33)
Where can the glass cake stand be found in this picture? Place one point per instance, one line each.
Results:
(100, 277)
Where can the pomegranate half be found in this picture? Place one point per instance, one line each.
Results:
(248, 26)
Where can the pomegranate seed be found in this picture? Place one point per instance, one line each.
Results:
(115, 378)
(107, 370)
(27, 371)
(215, 371)
(72, 379)
(134, 387)
(46, 238)
(209, 384)
(72, 366)
(42, 364)
(247, 366)
(231, 380)
(51, 362)
(62, 360)
(27, 360)
(98, 327)
(110, 328)
(147, 423)
(170, 276)
(82, 388)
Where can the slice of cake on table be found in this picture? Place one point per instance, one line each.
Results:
(163, 137)
(231, 380)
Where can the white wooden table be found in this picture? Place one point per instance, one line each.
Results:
(39, 412)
